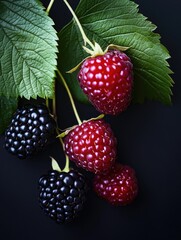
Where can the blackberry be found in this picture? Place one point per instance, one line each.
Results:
(31, 129)
(62, 194)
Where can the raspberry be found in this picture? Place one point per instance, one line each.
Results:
(30, 130)
(62, 195)
(92, 146)
(119, 187)
(107, 80)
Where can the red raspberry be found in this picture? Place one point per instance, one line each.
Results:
(107, 80)
(119, 186)
(92, 146)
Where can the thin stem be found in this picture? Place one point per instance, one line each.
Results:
(61, 140)
(70, 97)
(85, 38)
(50, 6)
(67, 163)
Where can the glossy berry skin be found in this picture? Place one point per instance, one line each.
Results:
(31, 129)
(92, 146)
(62, 195)
(119, 187)
(107, 80)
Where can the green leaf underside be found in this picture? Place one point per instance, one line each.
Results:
(7, 109)
(27, 51)
(118, 22)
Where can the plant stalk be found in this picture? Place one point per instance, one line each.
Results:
(85, 38)
(67, 161)
(70, 97)
(50, 6)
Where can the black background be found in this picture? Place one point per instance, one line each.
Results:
(149, 140)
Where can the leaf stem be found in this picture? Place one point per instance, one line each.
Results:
(70, 97)
(85, 38)
(50, 6)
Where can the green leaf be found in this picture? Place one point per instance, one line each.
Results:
(27, 50)
(7, 108)
(118, 22)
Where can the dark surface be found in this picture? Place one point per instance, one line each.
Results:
(149, 141)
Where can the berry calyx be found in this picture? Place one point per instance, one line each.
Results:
(107, 80)
(92, 146)
(119, 187)
(31, 129)
(62, 195)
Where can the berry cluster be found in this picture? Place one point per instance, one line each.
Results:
(107, 80)
(106, 77)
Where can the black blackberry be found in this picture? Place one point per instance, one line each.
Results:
(62, 195)
(30, 130)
